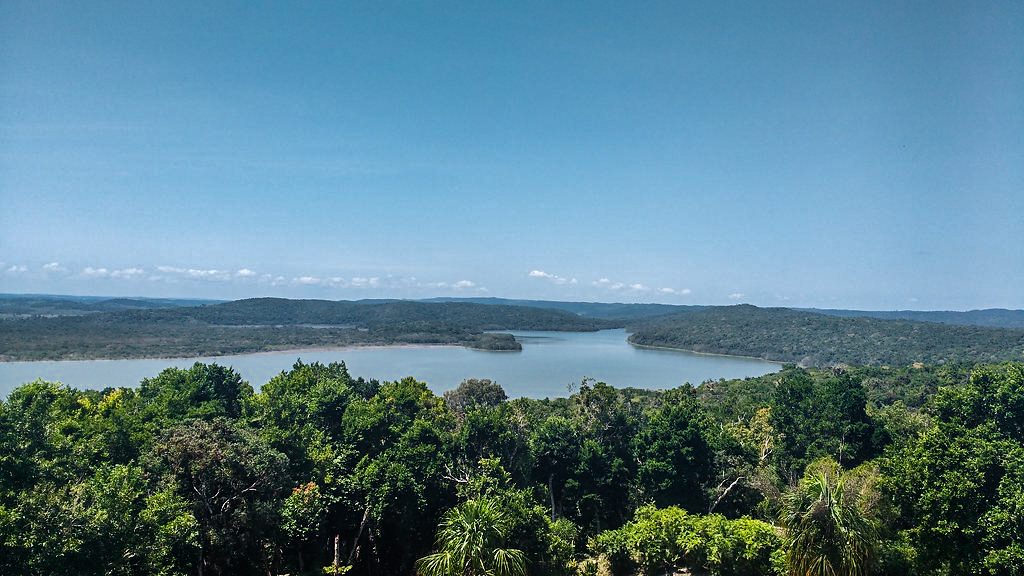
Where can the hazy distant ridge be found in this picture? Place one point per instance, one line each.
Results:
(990, 317)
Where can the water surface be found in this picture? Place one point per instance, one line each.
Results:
(548, 365)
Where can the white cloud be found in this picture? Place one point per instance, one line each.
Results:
(127, 273)
(91, 272)
(638, 287)
(54, 267)
(462, 284)
(554, 278)
(736, 296)
(682, 292)
(608, 284)
(17, 269)
(366, 282)
(197, 273)
(245, 273)
(307, 280)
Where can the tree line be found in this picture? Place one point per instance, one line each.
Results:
(821, 340)
(848, 470)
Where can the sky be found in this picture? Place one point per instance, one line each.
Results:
(830, 154)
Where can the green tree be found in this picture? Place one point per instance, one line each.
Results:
(233, 480)
(203, 391)
(469, 543)
(818, 415)
(474, 393)
(661, 540)
(830, 531)
(674, 455)
(960, 485)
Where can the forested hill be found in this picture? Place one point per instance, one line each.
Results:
(605, 310)
(633, 312)
(813, 339)
(379, 314)
(990, 317)
(264, 324)
(26, 305)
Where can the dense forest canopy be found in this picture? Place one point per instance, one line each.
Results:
(811, 339)
(866, 470)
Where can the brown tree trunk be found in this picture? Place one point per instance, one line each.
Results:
(337, 552)
(551, 493)
(359, 534)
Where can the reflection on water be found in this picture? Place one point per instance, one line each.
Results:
(549, 364)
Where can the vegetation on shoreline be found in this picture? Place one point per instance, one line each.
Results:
(269, 324)
(812, 339)
(194, 472)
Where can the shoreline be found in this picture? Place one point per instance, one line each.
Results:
(198, 357)
(345, 347)
(669, 348)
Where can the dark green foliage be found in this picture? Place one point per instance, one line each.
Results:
(263, 324)
(675, 460)
(820, 416)
(813, 339)
(473, 394)
(203, 391)
(961, 484)
(27, 305)
(830, 521)
(233, 481)
(992, 317)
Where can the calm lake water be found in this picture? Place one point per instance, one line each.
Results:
(548, 364)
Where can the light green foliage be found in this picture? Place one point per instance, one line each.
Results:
(661, 540)
(174, 531)
(303, 512)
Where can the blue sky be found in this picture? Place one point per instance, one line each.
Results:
(840, 154)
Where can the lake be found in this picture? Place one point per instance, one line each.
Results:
(549, 363)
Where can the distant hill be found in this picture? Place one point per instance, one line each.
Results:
(815, 339)
(88, 327)
(262, 324)
(608, 311)
(23, 305)
(991, 317)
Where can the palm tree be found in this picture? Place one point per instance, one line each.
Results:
(828, 531)
(468, 541)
